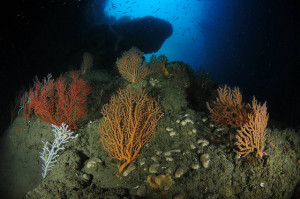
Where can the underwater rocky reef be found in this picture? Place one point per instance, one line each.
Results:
(188, 155)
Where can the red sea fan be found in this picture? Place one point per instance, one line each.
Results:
(57, 102)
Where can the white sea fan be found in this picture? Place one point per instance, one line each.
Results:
(49, 155)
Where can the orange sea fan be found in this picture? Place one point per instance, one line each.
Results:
(251, 136)
(129, 120)
(228, 109)
(132, 65)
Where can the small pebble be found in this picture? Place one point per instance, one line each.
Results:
(219, 129)
(153, 167)
(142, 162)
(202, 142)
(237, 156)
(189, 120)
(172, 133)
(93, 162)
(205, 159)
(195, 166)
(129, 169)
(169, 129)
(169, 159)
(193, 146)
(86, 177)
(178, 173)
(175, 151)
(154, 158)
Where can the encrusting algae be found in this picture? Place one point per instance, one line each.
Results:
(163, 182)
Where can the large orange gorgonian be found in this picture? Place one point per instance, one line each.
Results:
(251, 135)
(228, 108)
(132, 65)
(129, 120)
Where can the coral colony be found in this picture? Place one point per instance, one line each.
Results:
(49, 156)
